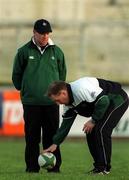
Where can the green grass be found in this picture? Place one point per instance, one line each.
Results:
(76, 162)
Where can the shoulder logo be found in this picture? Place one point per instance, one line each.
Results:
(53, 58)
(31, 57)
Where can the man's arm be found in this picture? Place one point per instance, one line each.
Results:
(63, 131)
(61, 65)
(18, 70)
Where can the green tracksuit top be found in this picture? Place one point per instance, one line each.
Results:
(34, 70)
(89, 97)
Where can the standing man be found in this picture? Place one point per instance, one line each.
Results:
(102, 100)
(37, 64)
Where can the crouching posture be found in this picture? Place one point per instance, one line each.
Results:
(102, 100)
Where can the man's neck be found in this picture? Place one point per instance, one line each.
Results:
(43, 47)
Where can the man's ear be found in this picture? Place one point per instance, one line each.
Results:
(34, 31)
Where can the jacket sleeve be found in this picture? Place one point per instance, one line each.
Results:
(61, 65)
(65, 127)
(101, 106)
(18, 70)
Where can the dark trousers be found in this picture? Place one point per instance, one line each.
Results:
(99, 140)
(37, 119)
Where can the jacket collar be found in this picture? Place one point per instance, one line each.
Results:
(70, 94)
(50, 43)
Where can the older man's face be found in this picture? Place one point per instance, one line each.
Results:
(41, 39)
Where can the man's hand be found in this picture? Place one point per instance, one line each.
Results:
(52, 148)
(88, 126)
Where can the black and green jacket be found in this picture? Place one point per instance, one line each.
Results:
(34, 70)
(89, 97)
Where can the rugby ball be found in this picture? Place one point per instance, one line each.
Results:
(47, 160)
